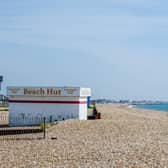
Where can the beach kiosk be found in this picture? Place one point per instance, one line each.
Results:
(28, 105)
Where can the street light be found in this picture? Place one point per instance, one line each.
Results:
(1, 80)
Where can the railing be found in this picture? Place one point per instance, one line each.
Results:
(24, 132)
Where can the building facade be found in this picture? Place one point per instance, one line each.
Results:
(28, 105)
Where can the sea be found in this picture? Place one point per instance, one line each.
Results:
(158, 107)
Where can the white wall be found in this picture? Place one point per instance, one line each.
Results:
(31, 114)
(83, 110)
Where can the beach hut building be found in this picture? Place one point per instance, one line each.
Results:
(28, 105)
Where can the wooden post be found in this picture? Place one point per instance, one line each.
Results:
(50, 119)
(44, 127)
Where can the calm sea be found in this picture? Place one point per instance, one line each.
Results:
(159, 107)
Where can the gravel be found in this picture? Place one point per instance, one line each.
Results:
(124, 137)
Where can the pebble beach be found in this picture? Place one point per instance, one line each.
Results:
(124, 137)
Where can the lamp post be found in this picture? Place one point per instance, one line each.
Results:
(1, 80)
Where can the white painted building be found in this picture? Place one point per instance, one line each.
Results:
(28, 105)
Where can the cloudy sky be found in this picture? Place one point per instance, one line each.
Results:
(118, 48)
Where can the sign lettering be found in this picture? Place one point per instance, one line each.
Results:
(41, 91)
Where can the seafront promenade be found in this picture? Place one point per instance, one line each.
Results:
(124, 137)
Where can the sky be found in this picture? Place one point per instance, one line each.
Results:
(117, 48)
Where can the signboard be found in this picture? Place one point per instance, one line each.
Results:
(48, 91)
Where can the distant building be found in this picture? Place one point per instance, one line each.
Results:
(28, 105)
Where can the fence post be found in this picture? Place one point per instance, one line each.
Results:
(44, 129)
(50, 119)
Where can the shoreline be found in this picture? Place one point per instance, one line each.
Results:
(143, 108)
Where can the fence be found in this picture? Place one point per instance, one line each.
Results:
(26, 126)
(24, 132)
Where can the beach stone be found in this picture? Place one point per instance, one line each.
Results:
(124, 137)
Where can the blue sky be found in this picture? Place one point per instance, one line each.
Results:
(118, 48)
